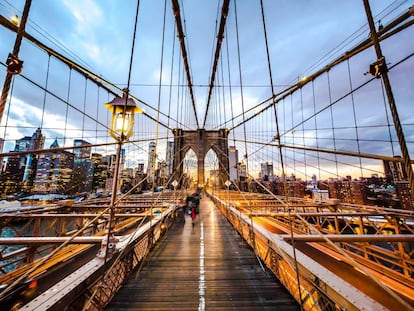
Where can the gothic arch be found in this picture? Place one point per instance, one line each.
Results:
(201, 141)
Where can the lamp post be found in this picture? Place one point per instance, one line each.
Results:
(123, 110)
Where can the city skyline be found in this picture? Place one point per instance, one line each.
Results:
(295, 53)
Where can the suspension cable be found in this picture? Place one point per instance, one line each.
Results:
(159, 94)
(241, 85)
(231, 101)
(224, 13)
(45, 93)
(84, 106)
(67, 106)
(280, 146)
(354, 115)
(171, 80)
(316, 127)
(181, 37)
(332, 121)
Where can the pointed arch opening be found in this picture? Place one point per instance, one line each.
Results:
(190, 169)
(211, 168)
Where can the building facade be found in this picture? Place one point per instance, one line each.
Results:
(233, 160)
(266, 170)
(152, 158)
(54, 171)
(169, 158)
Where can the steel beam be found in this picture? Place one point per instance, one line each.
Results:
(50, 240)
(349, 237)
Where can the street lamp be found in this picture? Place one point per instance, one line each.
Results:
(123, 110)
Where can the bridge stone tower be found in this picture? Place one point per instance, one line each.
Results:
(201, 141)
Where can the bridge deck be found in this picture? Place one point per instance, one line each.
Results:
(205, 266)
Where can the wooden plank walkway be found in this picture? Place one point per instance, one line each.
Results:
(203, 267)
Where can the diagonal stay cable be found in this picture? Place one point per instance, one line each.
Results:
(95, 78)
(385, 33)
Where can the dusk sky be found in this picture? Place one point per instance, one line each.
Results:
(303, 35)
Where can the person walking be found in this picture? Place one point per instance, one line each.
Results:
(193, 212)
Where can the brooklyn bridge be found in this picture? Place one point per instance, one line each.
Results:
(215, 155)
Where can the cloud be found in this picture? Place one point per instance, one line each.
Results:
(89, 18)
(86, 12)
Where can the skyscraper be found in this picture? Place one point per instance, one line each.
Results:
(266, 170)
(169, 159)
(82, 175)
(83, 150)
(27, 143)
(394, 170)
(100, 172)
(54, 171)
(233, 160)
(242, 170)
(151, 159)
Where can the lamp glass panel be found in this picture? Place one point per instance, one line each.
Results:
(123, 124)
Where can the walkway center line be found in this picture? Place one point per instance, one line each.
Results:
(201, 283)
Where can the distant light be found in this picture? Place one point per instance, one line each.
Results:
(303, 78)
(15, 20)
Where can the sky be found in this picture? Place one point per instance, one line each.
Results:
(303, 37)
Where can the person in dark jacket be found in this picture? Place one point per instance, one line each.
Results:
(193, 212)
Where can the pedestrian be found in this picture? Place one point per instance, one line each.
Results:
(193, 212)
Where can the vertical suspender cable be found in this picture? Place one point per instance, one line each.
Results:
(293, 132)
(231, 101)
(97, 114)
(354, 113)
(179, 86)
(280, 151)
(316, 129)
(113, 197)
(303, 133)
(171, 82)
(332, 122)
(176, 11)
(84, 106)
(241, 88)
(159, 94)
(222, 90)
(224, 13)
(388, 121)
(170, 168)
(8, 114)
(67, 106)
(45, 93)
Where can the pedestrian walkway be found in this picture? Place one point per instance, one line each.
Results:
(203, 267)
